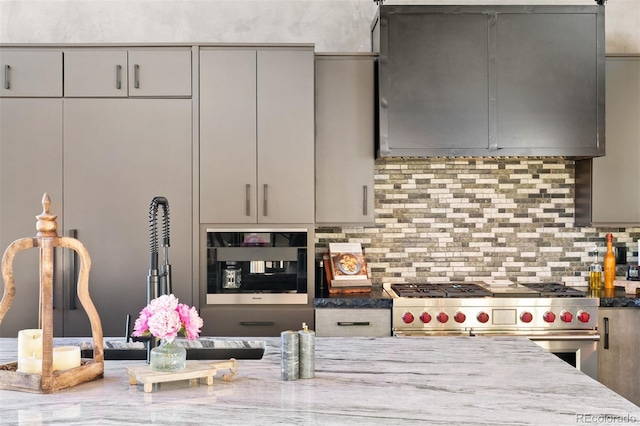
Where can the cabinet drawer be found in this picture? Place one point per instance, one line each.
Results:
(31, 73)
(160, 73)
(243, 321)
(353, 322)
(95, 73)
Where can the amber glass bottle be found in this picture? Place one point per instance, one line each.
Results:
(609, 264)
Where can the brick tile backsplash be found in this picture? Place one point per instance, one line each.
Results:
(472, 218)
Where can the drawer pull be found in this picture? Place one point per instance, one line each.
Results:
(365, 199)
(118, 77)
(136, 76)
(7, 77)
(352, 323)
(258, 323)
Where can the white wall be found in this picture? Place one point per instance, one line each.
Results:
(333, 25)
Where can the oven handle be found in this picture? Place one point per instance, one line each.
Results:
(572, 337)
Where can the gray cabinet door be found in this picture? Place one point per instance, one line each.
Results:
(601, 196)
(160, 72)
(118, 155)
(546, 83)
(285, 91)
(228, 163)
(95, 73)
(623, 146)
(344, 139)
(256, 136)
(618, 351)
(31, 72)
(30, 165)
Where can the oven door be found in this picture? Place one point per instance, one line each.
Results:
(578, 348)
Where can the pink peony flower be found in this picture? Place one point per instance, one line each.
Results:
(164, 317)
(191, 321)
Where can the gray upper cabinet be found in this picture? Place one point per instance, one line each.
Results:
(31, 73)
(95, 73)
(345, 139)
(153, 72)
(256, 135)
(599, 198)
(490, 80)
(165, 73)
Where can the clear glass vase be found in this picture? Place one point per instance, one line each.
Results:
(168, 357)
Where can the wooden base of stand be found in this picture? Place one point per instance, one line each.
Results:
(195, 370)
(11, 379)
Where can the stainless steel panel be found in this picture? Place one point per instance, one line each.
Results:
(434, 82)
(546, 76)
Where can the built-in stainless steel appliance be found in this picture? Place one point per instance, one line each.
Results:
(561, 319)
(258, 266)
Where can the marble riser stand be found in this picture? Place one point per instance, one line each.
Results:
(202, 349)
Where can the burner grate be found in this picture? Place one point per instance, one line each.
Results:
(554, 290)
(440, 290)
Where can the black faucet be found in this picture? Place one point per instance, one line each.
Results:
(159, 278)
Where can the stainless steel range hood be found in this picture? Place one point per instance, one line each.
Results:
(490, 80)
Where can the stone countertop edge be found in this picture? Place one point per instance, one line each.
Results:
(620, 302)
(372, 381)
(376, 299)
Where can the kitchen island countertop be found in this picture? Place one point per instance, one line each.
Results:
(434, 381)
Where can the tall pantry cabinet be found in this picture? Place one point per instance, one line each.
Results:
(126, 136)
(31, 108)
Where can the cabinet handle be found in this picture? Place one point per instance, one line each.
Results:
(7, 83)
(118, 77)
(606, 333)
(365, 198)
(352, 323)
(247, 199)
(73, 279)
(136, 76)
(258, 323)
(265, 191)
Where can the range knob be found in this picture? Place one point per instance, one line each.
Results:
(566, 316)
(442, 317)
(407, 317)
(483, 317)
(459, 317)
(549, 316)
(526, 317)
(583, 316)
(425, 317)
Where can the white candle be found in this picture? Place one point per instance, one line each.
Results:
(66, 357)
(30, 365)
(30, 344)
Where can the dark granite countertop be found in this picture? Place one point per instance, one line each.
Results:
(620, 299)
(377, 299)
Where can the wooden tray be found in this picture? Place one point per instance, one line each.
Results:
(202, 371)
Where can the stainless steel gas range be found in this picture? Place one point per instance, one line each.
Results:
(561, 319)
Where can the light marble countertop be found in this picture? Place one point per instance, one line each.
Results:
(364, 381)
